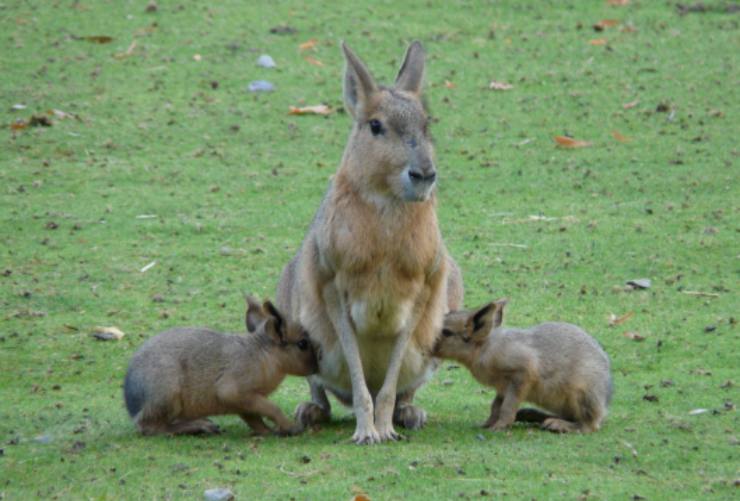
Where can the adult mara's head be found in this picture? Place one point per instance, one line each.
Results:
(389, 152)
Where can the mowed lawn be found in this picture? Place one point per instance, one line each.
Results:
(161, 191)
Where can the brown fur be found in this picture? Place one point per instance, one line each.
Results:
(181, 376)
(371, 279)
(556, 366)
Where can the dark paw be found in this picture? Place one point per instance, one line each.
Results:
(309, 413)
(410, 417)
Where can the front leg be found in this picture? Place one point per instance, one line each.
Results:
(260, 405)
(318, 410)
(513, 396)
(495, 411)
(386, 399)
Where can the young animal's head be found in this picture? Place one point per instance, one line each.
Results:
(389, 152)
(466, 330)
(287, 339)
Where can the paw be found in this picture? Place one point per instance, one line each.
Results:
(498, 426)
(210, 428)
(557, 425)
(366, 435)
(388, 434)
(410, 417)
(310, 413)
(289, 431)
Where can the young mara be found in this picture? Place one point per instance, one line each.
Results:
(556, 366)
(180, 377)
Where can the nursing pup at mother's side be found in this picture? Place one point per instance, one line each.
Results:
(554, 365)
(180, 377)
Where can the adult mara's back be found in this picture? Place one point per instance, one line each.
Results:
(372, 278)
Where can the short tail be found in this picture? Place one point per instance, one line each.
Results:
(529, 415)
(134, 393)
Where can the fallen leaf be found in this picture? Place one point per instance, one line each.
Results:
(598, 41)
(494, 85)
(696, 412)
(313, 60)
(605, 23)
(319, 109)
(360, 497)
(617, 3)
(619, 137)
(569, 142)
(617, 320)
(631, 104)
(107, 333)
(451, 85)
(640, 283)
(634, 336)
(99, 39)
(310, 44)
(19, 124)
(197, 57)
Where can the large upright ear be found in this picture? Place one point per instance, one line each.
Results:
(255, 314)
(486, 318)
(359, 84)
(411, 75)
(275, 325)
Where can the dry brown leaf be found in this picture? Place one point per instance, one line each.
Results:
(569, 142)
(319, 109)
(619, 137)
(598, 41)
(360, 497)
(605, 23)
(313, 60)
(617, 3)
(449, 84)
(19, 124)
(99, 39)
(494, 85)
(309, 44)
(616, 320)
(634, 336)
(631, 104)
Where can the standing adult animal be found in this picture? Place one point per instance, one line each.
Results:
(373, 279)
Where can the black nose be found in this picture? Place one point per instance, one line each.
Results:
(419, 176)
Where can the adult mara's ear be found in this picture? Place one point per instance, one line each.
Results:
(359, 85)
(411, 75)
(275, 325)
(255, 314)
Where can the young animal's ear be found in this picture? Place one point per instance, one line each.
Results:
(255, 314)
(498, 316)
(275, 325)
(359, 84)
(482, 321)
(411, 75)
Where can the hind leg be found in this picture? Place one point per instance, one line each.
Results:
(408, 415)
(194, 427)
(558, 425)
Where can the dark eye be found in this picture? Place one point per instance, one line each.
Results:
(302, 344)
(376, 127)
(447, 333)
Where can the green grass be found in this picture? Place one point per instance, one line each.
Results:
(231, 204)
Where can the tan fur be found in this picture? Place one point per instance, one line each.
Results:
(181, 376)
(556, 366)
(370, 280)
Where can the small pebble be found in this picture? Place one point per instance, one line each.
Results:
(266, 61)
(43, 439)
(218, 494)
(260, 86)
